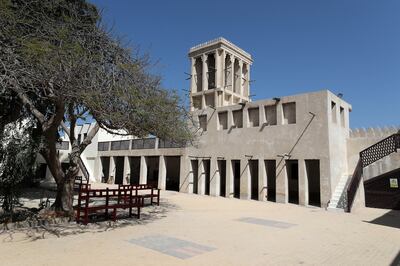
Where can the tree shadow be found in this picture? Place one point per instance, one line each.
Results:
(391, 219)
(148, 215)
(396, 260)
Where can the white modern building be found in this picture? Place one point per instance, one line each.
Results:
(289, 149)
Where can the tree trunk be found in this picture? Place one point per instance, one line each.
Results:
(64, 197)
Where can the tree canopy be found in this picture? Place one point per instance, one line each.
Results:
(58, 64)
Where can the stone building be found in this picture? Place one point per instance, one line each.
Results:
(289, 149)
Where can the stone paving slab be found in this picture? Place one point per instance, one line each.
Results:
(171, 246)
(266, 222)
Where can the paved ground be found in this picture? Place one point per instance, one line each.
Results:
(201, 230)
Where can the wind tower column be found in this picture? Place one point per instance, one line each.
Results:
(205, 72)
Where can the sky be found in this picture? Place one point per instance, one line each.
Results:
(347, 46)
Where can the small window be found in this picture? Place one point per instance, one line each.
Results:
(254, 117)
(238, 118)
(203, 122)
(333, 111)
(79, 138)
(289, 113)
(222, 120)
(84, 136)
(342, 117)
(270, 115)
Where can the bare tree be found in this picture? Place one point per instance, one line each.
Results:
(58, 64)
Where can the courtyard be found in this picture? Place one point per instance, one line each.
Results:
(188, 229)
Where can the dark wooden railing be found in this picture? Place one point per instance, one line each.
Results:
(368, 156)
(380, 149)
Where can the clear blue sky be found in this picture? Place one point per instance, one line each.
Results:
(347, 46)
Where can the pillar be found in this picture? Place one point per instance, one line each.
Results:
(215, 178)
(223, 70)
(282, 194)
(185, 175)
(127, 170)
(111, 178)
(98, 169)
(262, 180)
(193, 88)
(143, 170)
(241, 78)
(279, 113)
(201, 186)
(229, 179)
(245, 189)
(205, 72)
(162, 173)
(303, 184)
(218, 72)
(232, 59)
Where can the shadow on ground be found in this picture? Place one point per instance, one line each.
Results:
(149, 214)
(391, 219)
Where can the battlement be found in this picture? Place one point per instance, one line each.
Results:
(373, 132)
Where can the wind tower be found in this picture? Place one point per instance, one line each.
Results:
(220, 74)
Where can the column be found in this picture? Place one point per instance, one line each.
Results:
(262, 180)
(203, 101)
(232, 77)
(229, 179)
(240, 78)
(162, 173)
(143, 170)
(279, 114)
(223, 71)
(127, 171)
(111, 179)
(262, 118)
(185, 175)
(193, 88)
(215, 178)
(201, 186)
(98, 169)
(245, 189)
(218, 71)
(282, 194)
(303, 184)
(204, 74)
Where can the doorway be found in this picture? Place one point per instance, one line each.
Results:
(292, 170)
(135, 170)
(313, 175)
(222, 176)
(119, 169)
(195, 173)
(172, 165)
(236, 178)
(105, 165)
(206, 165)
(253, 166)
(152, 170)
(270, 166)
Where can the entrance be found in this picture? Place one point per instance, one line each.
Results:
(172, 165)
(236, 178)
(222, 176)
(135, 170)
(195, 173)
(119, 169)
(292, 170)
(206, 164)
(105, 165)
(313, 175)
(152, 170)
(270, 166)
(253, 166)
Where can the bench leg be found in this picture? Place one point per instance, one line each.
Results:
(138, 212)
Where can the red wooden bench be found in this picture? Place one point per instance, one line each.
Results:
(150, 191)
(114, 199)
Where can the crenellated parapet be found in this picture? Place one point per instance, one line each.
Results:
(373, 132)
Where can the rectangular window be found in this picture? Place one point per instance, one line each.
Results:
(222, 120)
(289, 113)
(254, 117)
(203, 122)
(270, 115)
(238, 118)
(342, 118)
(79, 138)
(333, 111)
